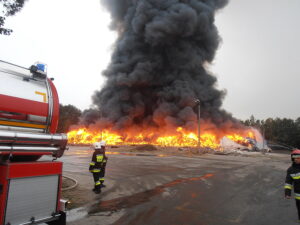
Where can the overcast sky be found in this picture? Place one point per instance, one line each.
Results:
(258, 62)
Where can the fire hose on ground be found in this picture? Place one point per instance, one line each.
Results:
(71, 187)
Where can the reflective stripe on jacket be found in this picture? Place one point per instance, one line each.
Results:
(293, 180)
(98, 162)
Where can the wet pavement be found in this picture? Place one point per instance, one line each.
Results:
(153, 189)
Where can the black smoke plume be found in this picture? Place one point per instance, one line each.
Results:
(158, 67)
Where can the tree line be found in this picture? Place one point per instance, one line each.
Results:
(281, 131)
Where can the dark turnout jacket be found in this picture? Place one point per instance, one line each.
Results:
(293, 180)
(98, 162)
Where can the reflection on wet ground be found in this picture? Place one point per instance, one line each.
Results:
(89, 152)
(78, 152)
(135, 154)
(139, 198)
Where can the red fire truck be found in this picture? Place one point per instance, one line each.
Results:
(30, 188)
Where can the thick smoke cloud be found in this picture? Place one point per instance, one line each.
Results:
(158, 69)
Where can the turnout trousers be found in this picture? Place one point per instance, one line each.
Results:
(298, 207)
(96, 176)
(102, 174)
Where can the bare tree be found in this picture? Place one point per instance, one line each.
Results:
(9, 8)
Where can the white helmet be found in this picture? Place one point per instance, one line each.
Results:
(102, 143)
(98, 145)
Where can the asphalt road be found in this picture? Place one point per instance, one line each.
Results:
(205, 190)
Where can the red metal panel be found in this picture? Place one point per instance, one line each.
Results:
(55, 116)
(20, 105)
(30, 169)
(19, 170)
(3, 195)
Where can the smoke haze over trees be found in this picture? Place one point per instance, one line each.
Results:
(159, 65)
(68, 115)
(9, 8)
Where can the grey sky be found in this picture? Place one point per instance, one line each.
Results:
(257, 63)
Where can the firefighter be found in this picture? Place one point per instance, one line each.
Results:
(97, 165)
(293, 179)
(102, 172)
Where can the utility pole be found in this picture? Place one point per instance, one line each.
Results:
(263, 137)
(197, 101)
(101, 128)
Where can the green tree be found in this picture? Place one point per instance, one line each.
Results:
(268, 126)
(284, 131)
(9, 8)
(297, 124)
(252, 122)
(68, 115)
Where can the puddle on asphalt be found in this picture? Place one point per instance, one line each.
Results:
(138, 198)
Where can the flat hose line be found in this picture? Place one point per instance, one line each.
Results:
(71, 187)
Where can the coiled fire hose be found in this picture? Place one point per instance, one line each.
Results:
(71, 187)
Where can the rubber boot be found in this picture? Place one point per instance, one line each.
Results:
(97, 191)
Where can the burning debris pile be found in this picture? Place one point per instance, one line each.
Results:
(180, 139)
(157, 71)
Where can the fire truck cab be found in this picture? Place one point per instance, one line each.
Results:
(30, 189)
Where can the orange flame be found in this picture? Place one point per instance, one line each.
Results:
(178, 138)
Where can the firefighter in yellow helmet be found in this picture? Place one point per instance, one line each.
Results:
(97, 165)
